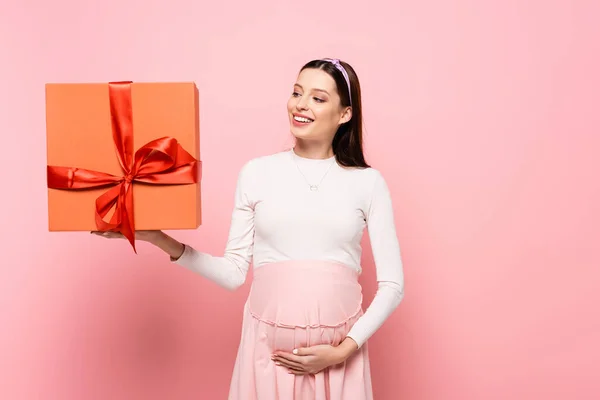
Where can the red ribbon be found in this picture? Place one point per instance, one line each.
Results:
(161, 161)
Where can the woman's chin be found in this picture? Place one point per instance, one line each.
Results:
(301, 133)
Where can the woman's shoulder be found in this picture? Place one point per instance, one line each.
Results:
(264, 163)
(368, 175)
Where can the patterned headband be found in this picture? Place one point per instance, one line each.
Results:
(340, 67)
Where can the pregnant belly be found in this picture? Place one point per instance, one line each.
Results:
(299, 304)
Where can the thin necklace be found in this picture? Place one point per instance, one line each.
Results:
(313, 187)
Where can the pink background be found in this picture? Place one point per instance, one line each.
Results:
(483, 117)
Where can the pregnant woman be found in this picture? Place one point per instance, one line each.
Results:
(299, 217)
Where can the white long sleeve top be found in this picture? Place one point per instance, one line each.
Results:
(277, 217)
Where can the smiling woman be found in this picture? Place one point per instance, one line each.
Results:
(299, 217)
(319, 111)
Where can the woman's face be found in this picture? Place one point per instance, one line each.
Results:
(314, 109)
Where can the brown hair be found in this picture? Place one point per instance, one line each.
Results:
(347, 142)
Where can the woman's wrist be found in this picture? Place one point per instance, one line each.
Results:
(346, 348)
(167, 244)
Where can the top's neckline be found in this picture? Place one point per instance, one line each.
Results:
(310, 160)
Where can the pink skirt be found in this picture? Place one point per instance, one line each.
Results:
(299, 304)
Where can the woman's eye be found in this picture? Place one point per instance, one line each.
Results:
(295, 94)
(318, 100)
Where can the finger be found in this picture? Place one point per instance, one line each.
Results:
(295, 372)
(109, 235)
(304, 351)
(291, 368)
(295, 368)
(288, 363)
(291, 357)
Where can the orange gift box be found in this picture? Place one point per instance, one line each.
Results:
(123, 156)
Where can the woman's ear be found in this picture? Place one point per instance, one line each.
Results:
(346, 116)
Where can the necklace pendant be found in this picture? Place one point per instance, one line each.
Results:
(314, 188)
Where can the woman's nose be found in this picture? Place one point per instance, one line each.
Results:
(301, 104)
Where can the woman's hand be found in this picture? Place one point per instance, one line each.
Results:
(144, 236)
(159, 239)
(312, 360)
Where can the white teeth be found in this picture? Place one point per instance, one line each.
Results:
(300, 119)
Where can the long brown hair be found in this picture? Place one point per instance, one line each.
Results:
(347, 142)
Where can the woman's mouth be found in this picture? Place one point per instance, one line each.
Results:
(301, 121)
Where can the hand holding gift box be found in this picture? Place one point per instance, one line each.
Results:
(124, 151)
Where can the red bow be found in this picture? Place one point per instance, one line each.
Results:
(161, 161)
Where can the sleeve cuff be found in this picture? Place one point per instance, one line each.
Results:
(359, 341)
(183, 257)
